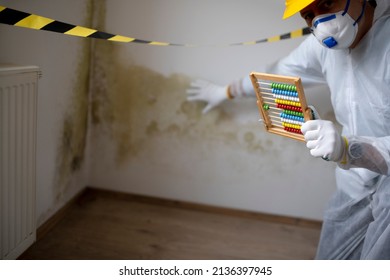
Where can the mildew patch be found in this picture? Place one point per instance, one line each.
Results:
(136, 105)
(74, 130)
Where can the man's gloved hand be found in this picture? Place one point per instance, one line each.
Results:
(201, 90)
(323, 140)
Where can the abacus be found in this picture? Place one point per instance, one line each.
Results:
(282, 104)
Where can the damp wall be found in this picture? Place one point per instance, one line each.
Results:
(62, 98)
(147, 139)
(144, 137)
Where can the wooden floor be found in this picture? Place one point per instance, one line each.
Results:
(103, 225)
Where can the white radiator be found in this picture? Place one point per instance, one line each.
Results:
(18, 102)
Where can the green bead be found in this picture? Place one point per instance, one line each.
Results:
(266, 107)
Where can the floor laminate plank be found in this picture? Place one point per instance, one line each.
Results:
(102, 226)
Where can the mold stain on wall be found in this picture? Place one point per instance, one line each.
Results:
(137, 106)
(141, 110)
(75, 124)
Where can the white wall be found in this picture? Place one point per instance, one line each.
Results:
(63, 61)
(147, 139)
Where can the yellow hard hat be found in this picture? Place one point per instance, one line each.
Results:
(294, 6)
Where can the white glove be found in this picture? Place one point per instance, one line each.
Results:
(201, 90)
(323, 140)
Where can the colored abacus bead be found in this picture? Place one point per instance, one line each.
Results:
(287, 89)
(293, 130)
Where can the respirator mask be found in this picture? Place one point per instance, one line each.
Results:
(336, 30)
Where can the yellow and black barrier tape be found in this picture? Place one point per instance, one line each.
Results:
(27, 20)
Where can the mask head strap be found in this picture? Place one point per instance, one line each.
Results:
(347, 7)
(361, 14)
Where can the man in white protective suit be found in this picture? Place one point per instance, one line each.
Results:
(350, 52)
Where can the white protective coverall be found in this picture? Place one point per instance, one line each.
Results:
(357, 220)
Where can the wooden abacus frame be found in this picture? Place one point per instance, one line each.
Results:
(262, 102)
